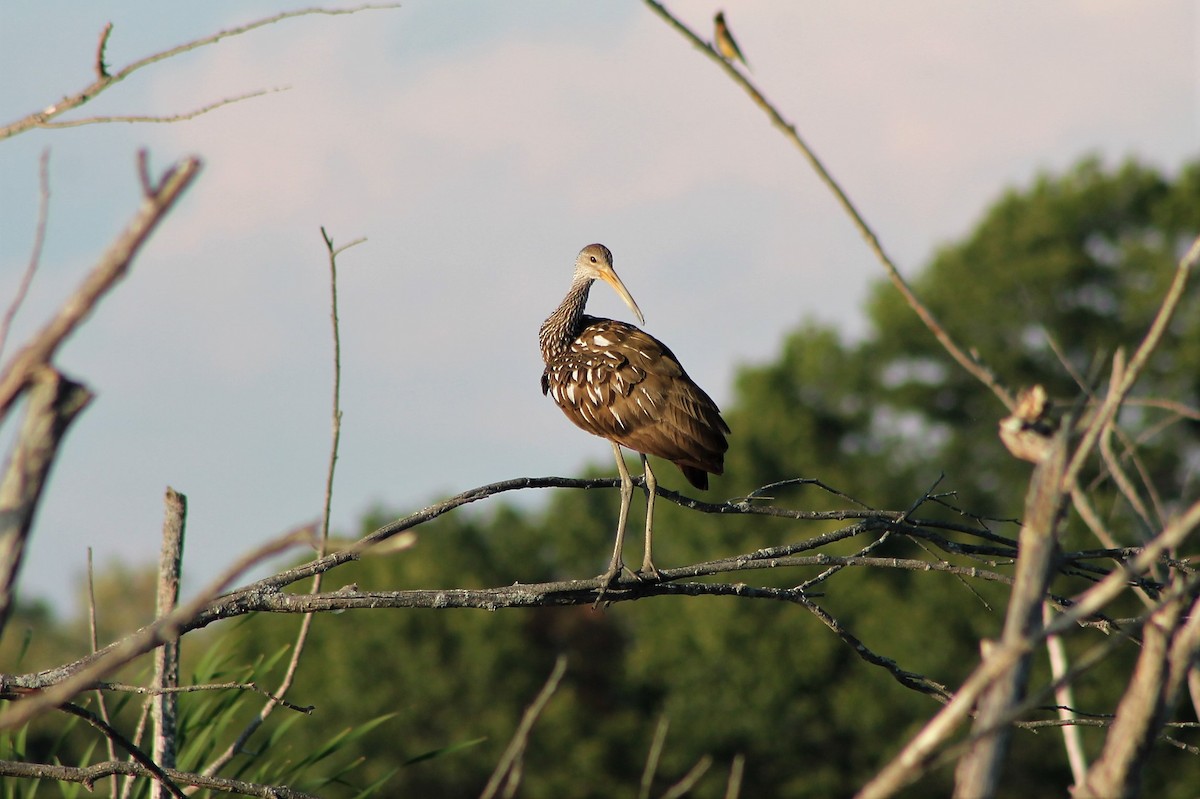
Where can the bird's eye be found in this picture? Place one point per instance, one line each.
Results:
(593, 258)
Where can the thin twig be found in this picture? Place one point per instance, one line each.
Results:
(35, 257)
(188, 689)
(65, 682)
(162, 119)
(106, 80)
(113, 265)
(689, 780)
(293, 665)
(970, 362)
(733, 788)
(918, 753)
(1124, 377)
(161, 777)
(101, 48)
(516, 747)
(94, 645)
(1064, 695)
(653, 756)
(89, 775)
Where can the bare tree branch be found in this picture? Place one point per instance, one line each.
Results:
(289, 675)
(166, 658)
(162, 119)
(1152, 693)
(89, 775)
(979, 770)
(1123, 378)
(515, 751)
(93, 646)
(970, 362)
(63, 682)
(53, 404)
(917, 754)
(1064, 696)
(113, 265)
(35, 257)
(104, 80)
(653, 756)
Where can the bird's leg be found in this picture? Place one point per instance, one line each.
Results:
(651, 490)
(616, 564)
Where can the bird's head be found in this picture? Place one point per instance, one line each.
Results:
(595, 263)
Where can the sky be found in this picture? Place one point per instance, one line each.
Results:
(478, 146)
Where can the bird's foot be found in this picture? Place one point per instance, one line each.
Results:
(607, 580)
(649, 572)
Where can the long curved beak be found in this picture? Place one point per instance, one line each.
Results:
(609, 276)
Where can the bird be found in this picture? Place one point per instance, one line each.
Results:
(726, 44)
(618, 382)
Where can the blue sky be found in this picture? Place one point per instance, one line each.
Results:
(478, 146)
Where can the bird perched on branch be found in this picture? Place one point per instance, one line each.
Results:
(726, 45)
(622, 384)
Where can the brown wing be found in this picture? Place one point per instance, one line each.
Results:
(620, 383)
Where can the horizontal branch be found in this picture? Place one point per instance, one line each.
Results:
(89, 775)
(163, 118)
(265, 595)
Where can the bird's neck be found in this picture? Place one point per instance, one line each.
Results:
(562, 326)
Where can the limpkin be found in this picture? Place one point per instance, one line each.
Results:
(620, 383)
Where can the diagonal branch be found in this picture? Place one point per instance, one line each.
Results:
(970, 362)
(113, 266)
(915, 756)
(53, 405)
(35, 257)
(104, 80)
(509, 765)
(70, 680)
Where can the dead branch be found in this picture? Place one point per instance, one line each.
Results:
(293, 666)
(35, 257)
(113, 736)
(1169, 648)
(918, 753)
(63, 682)
(970, 362)
(113, 266)
(979, 770)
(53, 404)
(509, 764)
(89, 775)
(165, 702)
(105, 80)
(163, 118)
